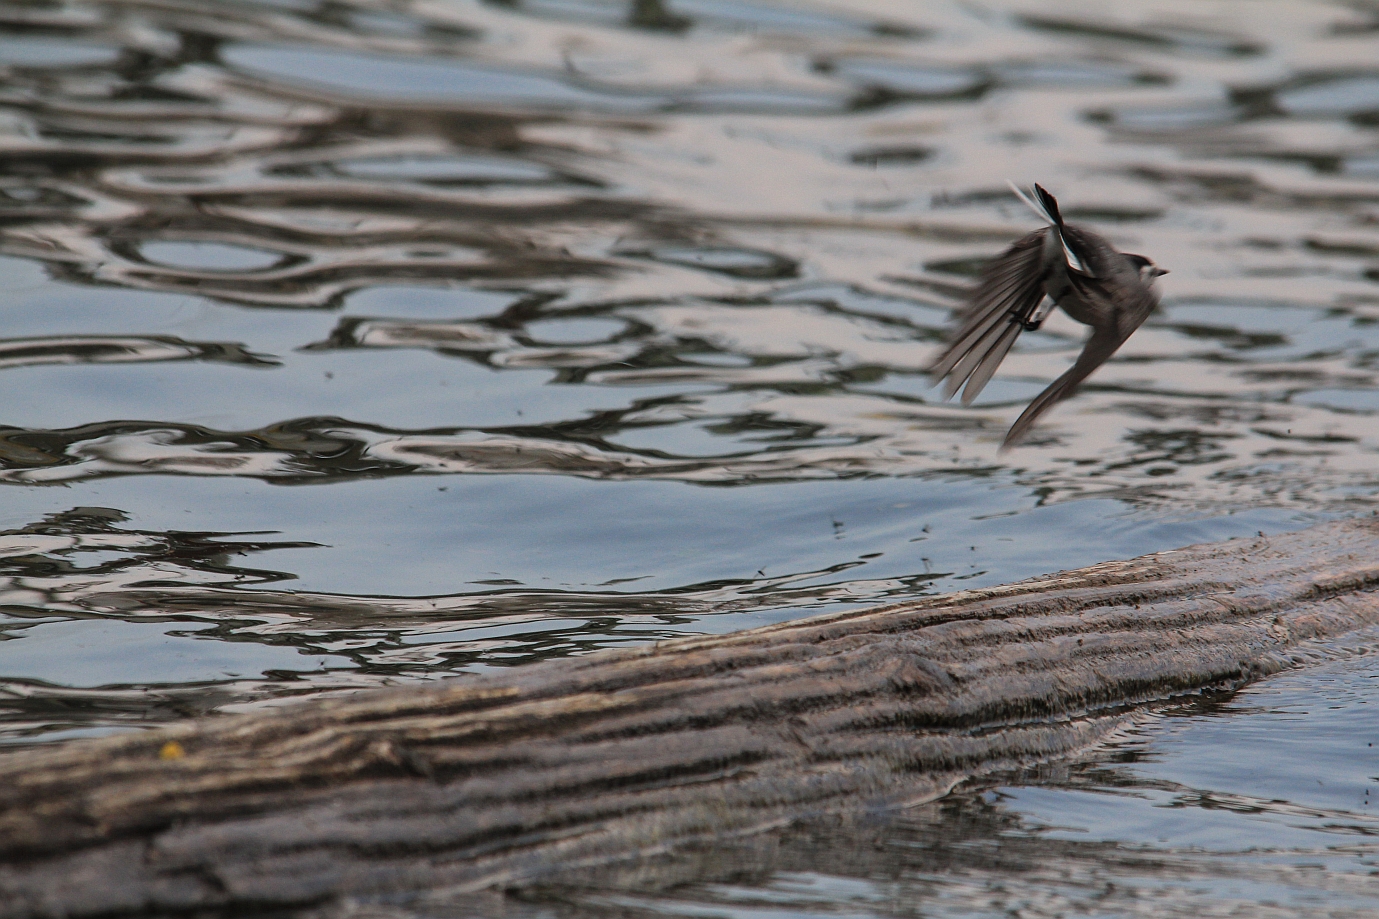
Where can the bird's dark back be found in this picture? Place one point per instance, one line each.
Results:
(1116, 278)
(1096, 252)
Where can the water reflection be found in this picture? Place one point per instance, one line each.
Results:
(575, 257)
(112, 624)
(601, 321)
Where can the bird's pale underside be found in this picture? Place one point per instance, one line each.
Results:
(1063, 265)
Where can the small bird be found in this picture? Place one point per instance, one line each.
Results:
(1061, 265)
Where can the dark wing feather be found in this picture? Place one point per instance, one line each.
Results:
(986, 369)
(1099, 347)
(1010, 290)
(1125, 307)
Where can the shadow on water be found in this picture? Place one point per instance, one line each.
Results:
(592, 323)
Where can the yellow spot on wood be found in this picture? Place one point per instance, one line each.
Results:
(172, 750)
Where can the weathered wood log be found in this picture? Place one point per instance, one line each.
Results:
(515, 778)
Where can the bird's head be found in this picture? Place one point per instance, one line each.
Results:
(1147, 269)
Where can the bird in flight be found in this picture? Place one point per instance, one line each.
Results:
(1063, 265)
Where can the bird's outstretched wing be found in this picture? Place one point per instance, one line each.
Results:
(1099, 347)
(1009, 292)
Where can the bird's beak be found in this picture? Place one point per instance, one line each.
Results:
(1159, 272)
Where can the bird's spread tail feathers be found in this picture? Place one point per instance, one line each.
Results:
(1049, 202)
(1037, 203)
(1046, 206)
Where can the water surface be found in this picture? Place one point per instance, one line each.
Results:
(351, 344)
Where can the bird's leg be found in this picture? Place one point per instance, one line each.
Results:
(1034, 320)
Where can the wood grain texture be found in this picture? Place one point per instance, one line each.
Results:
(518, 777)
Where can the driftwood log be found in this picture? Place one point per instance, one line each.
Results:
(531, 775)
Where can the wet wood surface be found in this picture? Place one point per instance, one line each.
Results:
(534, 774)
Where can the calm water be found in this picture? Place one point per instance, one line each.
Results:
(360, 343)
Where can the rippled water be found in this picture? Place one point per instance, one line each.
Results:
(354, 343)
